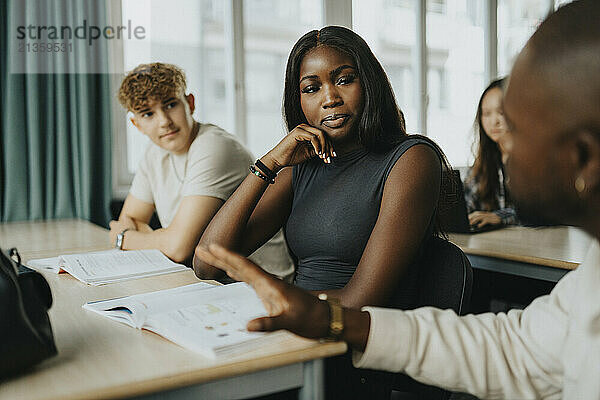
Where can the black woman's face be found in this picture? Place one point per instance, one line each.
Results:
(331, 94)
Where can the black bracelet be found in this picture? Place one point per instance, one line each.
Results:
(260, 175)
(266, 170)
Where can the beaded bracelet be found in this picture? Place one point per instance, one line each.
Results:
(265, 170)
(260, 175)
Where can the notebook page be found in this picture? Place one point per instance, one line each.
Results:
(134, 310)
(45, 264)
(110, 266)
(53, 263)
(214, 323)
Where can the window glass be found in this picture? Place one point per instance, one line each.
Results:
(388, 26)
(517, 20)
(559, 3)
(455, 57)
(188, 33)
(271, 27)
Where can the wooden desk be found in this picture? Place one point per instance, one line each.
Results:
(99, 358)
(545, 253)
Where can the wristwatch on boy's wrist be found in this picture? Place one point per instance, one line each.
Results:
(120, 236)
(336, 317)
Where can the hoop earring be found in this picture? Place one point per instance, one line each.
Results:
(580, 184)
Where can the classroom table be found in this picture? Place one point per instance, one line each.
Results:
(545, 253)
(102, 359)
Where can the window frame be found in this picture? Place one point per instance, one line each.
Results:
(121, 177)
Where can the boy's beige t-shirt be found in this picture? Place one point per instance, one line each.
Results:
(215, 165)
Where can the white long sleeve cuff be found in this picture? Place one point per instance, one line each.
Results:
(387, 326)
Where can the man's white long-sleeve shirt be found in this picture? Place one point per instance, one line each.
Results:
(549, 350)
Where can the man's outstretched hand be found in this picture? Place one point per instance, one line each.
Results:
(289, 307)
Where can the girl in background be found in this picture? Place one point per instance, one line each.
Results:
(487, 198)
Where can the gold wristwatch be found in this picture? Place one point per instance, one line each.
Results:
(336, 317)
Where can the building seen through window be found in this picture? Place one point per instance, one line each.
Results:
(455, 78)
(517, 20)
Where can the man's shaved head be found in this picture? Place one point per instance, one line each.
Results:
(565, 53)
(552, 105)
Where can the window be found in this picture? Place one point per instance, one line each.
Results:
(436, 6)
(187, 33)
(271, 27)
(517, 20)
(191, 34)
(389, 29)
(400, 77)
(455, 58)
(437, 88)
(559, 3)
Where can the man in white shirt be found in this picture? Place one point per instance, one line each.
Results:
(552, 348)
(188, 171)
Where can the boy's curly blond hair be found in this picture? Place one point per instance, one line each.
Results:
(151, 82)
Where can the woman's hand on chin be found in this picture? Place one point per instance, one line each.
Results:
(302, 143)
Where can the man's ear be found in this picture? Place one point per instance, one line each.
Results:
(588, 158)
(191, 102)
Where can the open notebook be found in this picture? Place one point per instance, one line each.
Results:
(207, 319)
(99, 268)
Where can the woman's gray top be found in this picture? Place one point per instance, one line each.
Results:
(334, 210)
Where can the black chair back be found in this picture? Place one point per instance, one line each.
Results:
(445, 281)
(445, 277)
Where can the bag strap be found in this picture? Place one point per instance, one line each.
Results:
(13, 252)
(9, 260)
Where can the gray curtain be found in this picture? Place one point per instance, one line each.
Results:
(55, 137)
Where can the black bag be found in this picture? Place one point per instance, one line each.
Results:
(25, 332)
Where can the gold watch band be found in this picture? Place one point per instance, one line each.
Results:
(336, 317)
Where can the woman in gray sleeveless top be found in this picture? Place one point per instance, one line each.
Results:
(357, 195)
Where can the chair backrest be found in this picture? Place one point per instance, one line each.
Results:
(454, 216)
(445, 281)
(445, 277)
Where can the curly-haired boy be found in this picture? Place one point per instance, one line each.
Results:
(188, 171)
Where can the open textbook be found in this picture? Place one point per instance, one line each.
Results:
(98, 268)
(207, 319)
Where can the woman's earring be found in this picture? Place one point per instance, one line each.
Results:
(580, 184)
